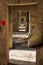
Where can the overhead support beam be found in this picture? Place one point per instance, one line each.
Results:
(23, 4)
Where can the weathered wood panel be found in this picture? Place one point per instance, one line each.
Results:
(3, 36)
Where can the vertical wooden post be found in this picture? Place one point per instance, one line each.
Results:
(27, 21)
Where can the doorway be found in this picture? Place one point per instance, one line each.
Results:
(18, 34)
(18, 27)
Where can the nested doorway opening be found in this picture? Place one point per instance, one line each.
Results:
(18, 27)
